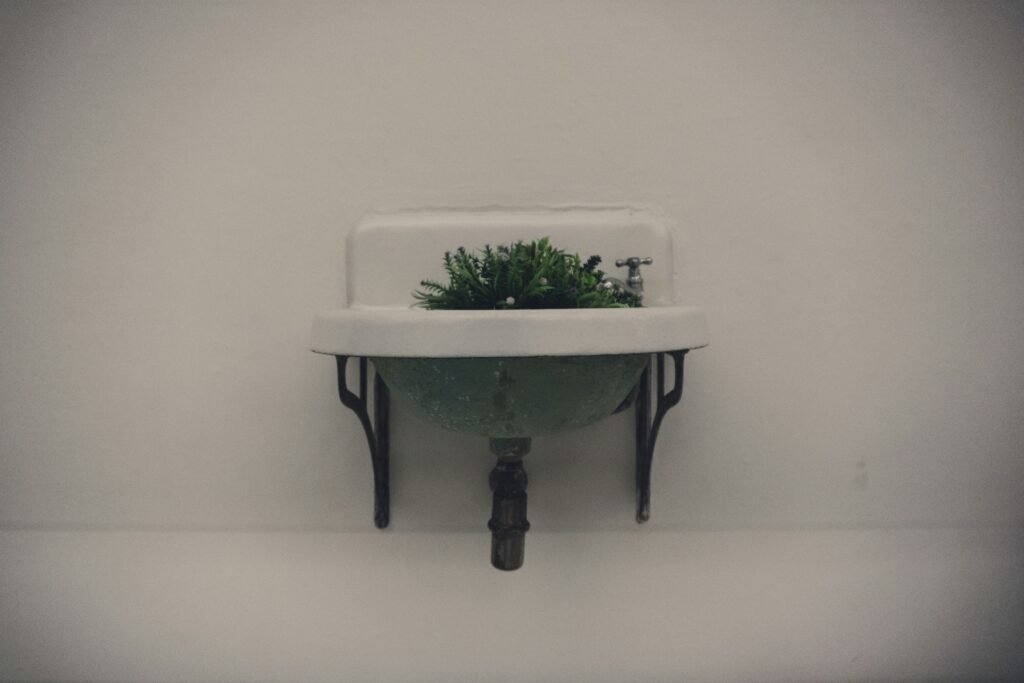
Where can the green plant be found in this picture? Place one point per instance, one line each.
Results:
(521, 275)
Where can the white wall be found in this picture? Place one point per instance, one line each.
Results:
(175, 185)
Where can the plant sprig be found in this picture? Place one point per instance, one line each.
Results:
(521, 275)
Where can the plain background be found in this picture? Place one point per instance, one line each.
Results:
(839, 496)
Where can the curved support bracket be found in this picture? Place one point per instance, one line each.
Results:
(377, 429)
(377, 439)
(646, 431)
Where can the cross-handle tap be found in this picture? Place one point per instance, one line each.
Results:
(634, 280)
(634, 283)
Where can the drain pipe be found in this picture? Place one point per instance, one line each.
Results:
(508, 522)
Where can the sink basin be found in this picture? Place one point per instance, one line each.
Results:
(505, 373)
(510, 373)
(515, 396)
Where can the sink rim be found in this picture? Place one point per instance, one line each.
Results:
(418, 333)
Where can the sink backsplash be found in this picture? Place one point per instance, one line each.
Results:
(389, 253)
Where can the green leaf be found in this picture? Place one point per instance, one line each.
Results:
(534, 274)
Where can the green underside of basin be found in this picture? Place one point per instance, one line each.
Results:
(512, 397)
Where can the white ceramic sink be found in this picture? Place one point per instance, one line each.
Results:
(389, 254)
(508, 375)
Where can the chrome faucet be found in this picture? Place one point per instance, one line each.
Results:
(634, 283)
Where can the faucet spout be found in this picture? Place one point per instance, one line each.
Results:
(636, 289)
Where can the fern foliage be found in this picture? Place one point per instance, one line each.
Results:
(520, 275)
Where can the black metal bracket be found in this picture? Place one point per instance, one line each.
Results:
(376, 433)
(646, 430)
(647, 427)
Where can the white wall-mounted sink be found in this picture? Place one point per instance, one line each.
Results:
(389, 254)
(507, 374)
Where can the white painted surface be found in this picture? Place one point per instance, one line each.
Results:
(175, 183)
(634, 606)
